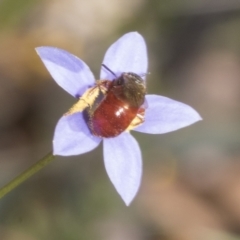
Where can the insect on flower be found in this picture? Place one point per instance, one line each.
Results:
(112, 106)
(118, 105)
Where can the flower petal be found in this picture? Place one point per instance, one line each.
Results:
(123, 162)
(72, 136)
(127, 54)
(70, 72)
(165, 115)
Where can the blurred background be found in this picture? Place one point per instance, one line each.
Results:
(191, 180)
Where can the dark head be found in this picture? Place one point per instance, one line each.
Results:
(130, 88)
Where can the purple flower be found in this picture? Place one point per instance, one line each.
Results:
(122, 155)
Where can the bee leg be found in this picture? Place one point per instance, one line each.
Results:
(85, 101)
(139, 119)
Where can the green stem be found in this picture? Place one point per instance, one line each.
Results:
(26, 174)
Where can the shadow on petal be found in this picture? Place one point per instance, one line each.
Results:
(70, 72)
(166, 115)
(72, 136)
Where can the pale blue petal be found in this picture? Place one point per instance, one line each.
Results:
(70, 72)
(166, 115)
(127, 54)
(123, 163)
(72, 136)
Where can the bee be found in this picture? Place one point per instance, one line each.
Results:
(120, 102)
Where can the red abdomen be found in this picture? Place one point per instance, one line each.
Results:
(111, 117)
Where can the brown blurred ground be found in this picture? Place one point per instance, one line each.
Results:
(191, 183)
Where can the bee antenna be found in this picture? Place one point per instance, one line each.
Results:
(144, 74)
(109, 70)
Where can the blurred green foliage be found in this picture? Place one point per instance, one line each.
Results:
(13, 12)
